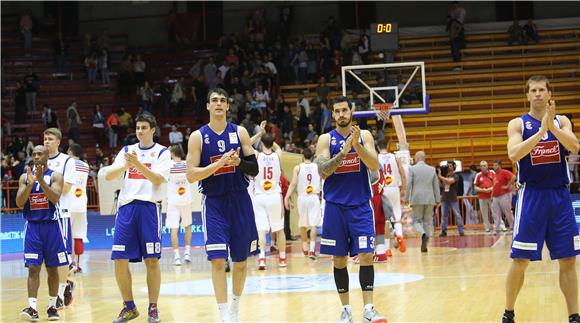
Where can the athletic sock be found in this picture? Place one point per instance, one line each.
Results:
(129, 304)
(224, 312)
(282, 254)
(32, 301)
(51, 301)
(61, 288)
(312, 245)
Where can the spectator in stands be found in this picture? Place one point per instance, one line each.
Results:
(322, 90)
(287, 126)
(364, 47)
(531, 31)
(303, 101)
(195, 70)
(325, 119)
(249, 124)
(312, 136)
(232, 59)
(199, 95)
(516, 34)
(20, 103)
(210, 71)
(113, 129)
(73, 122)
(302, 65)
(49, 117)
(91, 64)
(28, 147)
(99, 125)
(262, 98)
(31, 84)
(146, 93)
(87, 47)
(103, 64)
(125, 122)
(104, 41)
(26, 29)
(178, 97)
(60, 52)
(126, 76)
(139, 71)
(455, 27)
(175, 136)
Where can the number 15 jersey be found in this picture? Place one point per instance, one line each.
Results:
(268, 179)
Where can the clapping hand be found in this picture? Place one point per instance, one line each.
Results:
(132, 159)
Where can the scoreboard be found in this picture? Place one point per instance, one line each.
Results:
(384, 36)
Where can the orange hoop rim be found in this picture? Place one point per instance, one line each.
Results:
(383, 110)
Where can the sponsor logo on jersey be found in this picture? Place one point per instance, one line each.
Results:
(309, 189)
(181, 190)
(38, 201)
(227, 169)
(267, 185)
(350, 164)
(528, 125)
(206, 140)
(547, 152)
(78, 192)
(134, 173)
(388, 179)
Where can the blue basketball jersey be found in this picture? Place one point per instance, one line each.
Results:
(545, 166)
(39, 207)
(350, 183)
(227, 179)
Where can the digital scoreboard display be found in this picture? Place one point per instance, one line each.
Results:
(384, 36)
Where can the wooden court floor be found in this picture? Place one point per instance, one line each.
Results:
(460, 279)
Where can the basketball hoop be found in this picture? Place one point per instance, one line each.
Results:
(383, 110)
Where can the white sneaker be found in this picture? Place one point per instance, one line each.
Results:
(345, 316)
(187, 257)
(235, 313)
(177, 261)
(372, 316)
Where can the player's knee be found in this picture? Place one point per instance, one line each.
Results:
(152, 263)
(340, 261)
(240, 266)
(34, 271)
(520, 264)
(567, 264)
(366, 258)
(341, 279)
(218, 264)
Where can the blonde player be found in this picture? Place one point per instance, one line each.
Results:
(307, 179)
(77, 202)
(179, 204)
(267, 200)
(395, 180)
(64, 165)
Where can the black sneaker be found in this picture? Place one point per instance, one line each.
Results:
(52, 314)
(424, 240)
(29, 314)
(68, 295)
(59, 304)
(228, 268)
(574, 318)
(508, 317)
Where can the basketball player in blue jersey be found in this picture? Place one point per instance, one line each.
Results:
(38, 195)
(221, 157)
(537, 142)
(346, 158)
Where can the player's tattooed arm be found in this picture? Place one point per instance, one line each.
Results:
(327, 166)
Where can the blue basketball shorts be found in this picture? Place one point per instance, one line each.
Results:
(137, 232)
(229, 221)
(347, 229)
(544, 214)
(43, 243)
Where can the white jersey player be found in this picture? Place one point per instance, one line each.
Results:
(394, 184)
(307, 182)
(267, 200)
(64, 165)
(77, 202)
(179, 205)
